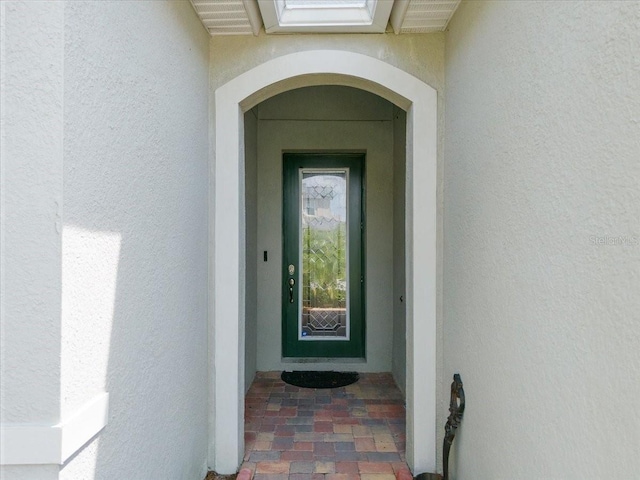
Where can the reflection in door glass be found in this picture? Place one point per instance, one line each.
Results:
(324, 243)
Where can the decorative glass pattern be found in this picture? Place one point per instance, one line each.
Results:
(324, 247)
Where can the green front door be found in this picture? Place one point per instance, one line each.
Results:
(323, 226)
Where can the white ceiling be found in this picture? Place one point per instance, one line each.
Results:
(248, 17)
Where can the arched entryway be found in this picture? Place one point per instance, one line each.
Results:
(226, 305)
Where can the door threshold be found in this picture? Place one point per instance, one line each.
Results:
(323, 360)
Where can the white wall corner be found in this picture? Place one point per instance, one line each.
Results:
(22, 444)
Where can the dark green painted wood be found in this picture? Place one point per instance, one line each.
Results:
(291, 346)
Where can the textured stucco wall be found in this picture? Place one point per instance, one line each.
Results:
(420, 55)
(31, 112)
(32, 122)
(135, 235)
(542, 311)
(316, 119)
(106, 102)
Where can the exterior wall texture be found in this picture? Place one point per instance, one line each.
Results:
(31, 97)
(105, 212)
(119, 119)
(542, 252)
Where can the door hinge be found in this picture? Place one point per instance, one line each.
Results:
(362, 279)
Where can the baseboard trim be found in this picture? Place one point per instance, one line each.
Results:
(23, 444)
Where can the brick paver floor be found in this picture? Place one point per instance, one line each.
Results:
(357, 431)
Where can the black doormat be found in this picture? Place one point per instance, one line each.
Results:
(319, 379)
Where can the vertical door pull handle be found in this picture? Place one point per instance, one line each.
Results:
(292, 282)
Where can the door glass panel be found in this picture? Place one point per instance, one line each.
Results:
(324, 243)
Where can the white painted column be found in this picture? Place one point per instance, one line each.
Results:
(227, 343)
(421, 178)
(32, 69)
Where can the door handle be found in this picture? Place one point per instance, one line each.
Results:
(292, 282)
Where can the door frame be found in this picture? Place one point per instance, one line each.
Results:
(354, 163)
(227, 232)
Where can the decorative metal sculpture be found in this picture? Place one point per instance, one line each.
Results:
(456, 410)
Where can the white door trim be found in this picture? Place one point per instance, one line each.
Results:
(226, 239)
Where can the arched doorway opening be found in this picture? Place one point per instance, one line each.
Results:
(227, 230)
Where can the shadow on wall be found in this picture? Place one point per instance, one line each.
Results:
(135, 236)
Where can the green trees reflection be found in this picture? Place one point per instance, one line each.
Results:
(324, 261)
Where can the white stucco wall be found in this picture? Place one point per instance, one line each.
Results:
(135, 235)
(31, 113)
(108, 103)
(317, 119)
(32, 96)
(542, 179)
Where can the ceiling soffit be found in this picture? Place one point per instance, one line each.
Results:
(248, 17)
